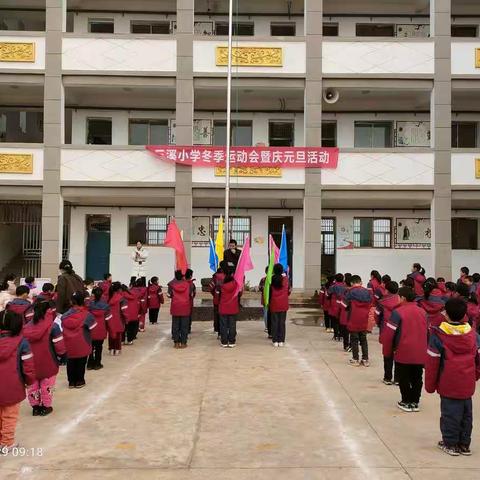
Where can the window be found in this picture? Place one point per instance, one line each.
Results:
(100, 25)
(239, 28)
(288, 29)
(375, 30)
(239, 229)
(241, 133)
(281, 134)
(21, 126)
(373, 134)
(148, 132)
(330, 29)
(464, 31)
(464, 135)
(328, 236)
(139, 26)
(99, 131)
(329, 134)
(464, 233)
(372, 232)
(150, 230)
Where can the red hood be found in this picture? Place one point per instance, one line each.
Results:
(153, 288)
(71, 320)
(390, 301)
(128, 295)
(35, 332)
(8, 346)
(180, 286)
(459, 343)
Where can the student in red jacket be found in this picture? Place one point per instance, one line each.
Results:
(228, 309)
(217, 280)
(101, 312)
(279, 292)
(453, 367)
(335, 292)
(17, 371)
(180, 291)
(77, 323)
(116, 325)
(131, 316)
(105, 286)
(418, 277)
(189, 278)
(20, 304)
(154, 300)
(139, 291)
(406, 340)
(433, 302)
(47, 295)
(464, 272)
(384, 310)
(441, 285)
(343, 314)
(374, 282)
(473, 309)
(48, 348)
(358, 301)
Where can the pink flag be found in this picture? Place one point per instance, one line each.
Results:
(174, 240)
(275, 248)
(244, 265)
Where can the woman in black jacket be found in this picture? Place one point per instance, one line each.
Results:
(68, 283)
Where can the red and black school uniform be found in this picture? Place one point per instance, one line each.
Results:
(105, 286)
(343, 321)
(141, 295)
(216, 282)
(116, 325)
(384, 309)
(473, 315)
(77, 324)
(405, 339)
(358, 301)
(418, 281)
(278, 307)
(180, 292)
(101, 312)
(131, 314)
(452, 369)
(374, 285)
(325, 299)
(16, 370)
(434, 305)
(228, 309)
(335, 293)
(154, 301)
(48, 348)
(21, 307)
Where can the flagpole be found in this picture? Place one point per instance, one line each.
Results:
(229, 107)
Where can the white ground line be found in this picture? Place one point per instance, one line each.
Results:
(348, 441)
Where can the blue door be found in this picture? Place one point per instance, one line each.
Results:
(98, 246)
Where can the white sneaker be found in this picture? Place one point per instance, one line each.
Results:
(275, 344)
(225, 345)
(281, 344)
(232, 345)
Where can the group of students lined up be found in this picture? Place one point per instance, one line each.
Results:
(425, 323)
(66, 324)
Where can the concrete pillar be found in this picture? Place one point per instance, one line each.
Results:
(184, 117)
(441, 126)
(53, 119)
(312, 205)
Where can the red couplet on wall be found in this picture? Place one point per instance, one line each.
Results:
(285, 157)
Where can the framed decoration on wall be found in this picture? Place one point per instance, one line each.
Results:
(413, 134)
(413, 233)
(200, 231)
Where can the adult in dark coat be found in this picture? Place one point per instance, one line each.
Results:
(68, 283)
(232, 255)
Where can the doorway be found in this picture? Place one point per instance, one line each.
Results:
(275, 230)
(328, 247)
(98, 246)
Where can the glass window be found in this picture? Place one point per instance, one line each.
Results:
(329, 134)
(241, 133)
(375, 30)
(239, 28)
(464, 134)
(281, 134)
(148, 229)
(239, 228)
(21, 126)
(330, 29)
(99, 131)
(100, 25)
(465, 233)
(140, 26)
(373, 134)
(372, 232)
(148, 132)
(328, 236)
(283, 29)
(464, 31)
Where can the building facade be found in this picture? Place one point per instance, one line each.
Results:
(85, 85)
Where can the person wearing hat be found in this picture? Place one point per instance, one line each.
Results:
(68, 283)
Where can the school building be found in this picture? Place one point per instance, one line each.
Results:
(86, 84)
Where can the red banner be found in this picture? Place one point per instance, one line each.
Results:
(288, 157)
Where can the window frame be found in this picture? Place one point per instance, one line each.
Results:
(149, 122)
(456, 124)
(330, 24)
(331, 122)
(455, 238)
(284, 24)
(101, 20)
(150, 23)
(146, 242)
(363, 24)
(459, 25)
(371, 123)
(289, 122)
(230, 233)
(27, 110)
(372, 246)
(235, 27)
(234, 124)
(325, 233)
(87, 130)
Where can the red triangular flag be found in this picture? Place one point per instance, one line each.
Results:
(173, 239)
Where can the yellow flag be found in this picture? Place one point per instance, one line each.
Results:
(219, 241)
